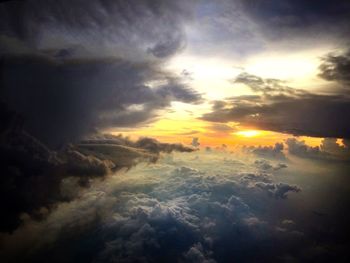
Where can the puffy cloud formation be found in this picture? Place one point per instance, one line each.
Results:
(269, 152)
(280, 108)
(328, 150)
(184, 209)
(266, 165)
(158, 212)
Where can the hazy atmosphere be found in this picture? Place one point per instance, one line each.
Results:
(174, 131)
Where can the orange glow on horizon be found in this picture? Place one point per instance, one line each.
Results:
(184, 130)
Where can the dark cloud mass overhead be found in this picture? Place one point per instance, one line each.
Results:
(69, 68)
(64, 100)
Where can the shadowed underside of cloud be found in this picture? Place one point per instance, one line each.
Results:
(61, 101)
(277, 107)
(35, 177)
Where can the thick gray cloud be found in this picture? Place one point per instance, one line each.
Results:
(277, 107)
(63, 100)
(102, 68)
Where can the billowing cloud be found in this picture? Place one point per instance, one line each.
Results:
(328, 150)
(266, 165)
(150, 213)
(269, 152)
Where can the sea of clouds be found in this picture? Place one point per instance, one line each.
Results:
(205, 206)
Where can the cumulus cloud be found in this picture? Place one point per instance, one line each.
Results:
(150, 213)
(269, 152)
(280, 108)
(329, 149)
(266, 165)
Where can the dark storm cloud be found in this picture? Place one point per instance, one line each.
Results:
(280, 108)
(62, 100)
(70, 67)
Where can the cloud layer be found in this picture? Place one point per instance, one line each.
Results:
(162, 212)
(277, 107)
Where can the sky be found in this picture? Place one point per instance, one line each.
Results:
(174, 131)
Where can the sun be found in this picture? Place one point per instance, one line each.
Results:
(248, 133)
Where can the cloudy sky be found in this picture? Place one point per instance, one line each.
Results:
(174, 131)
